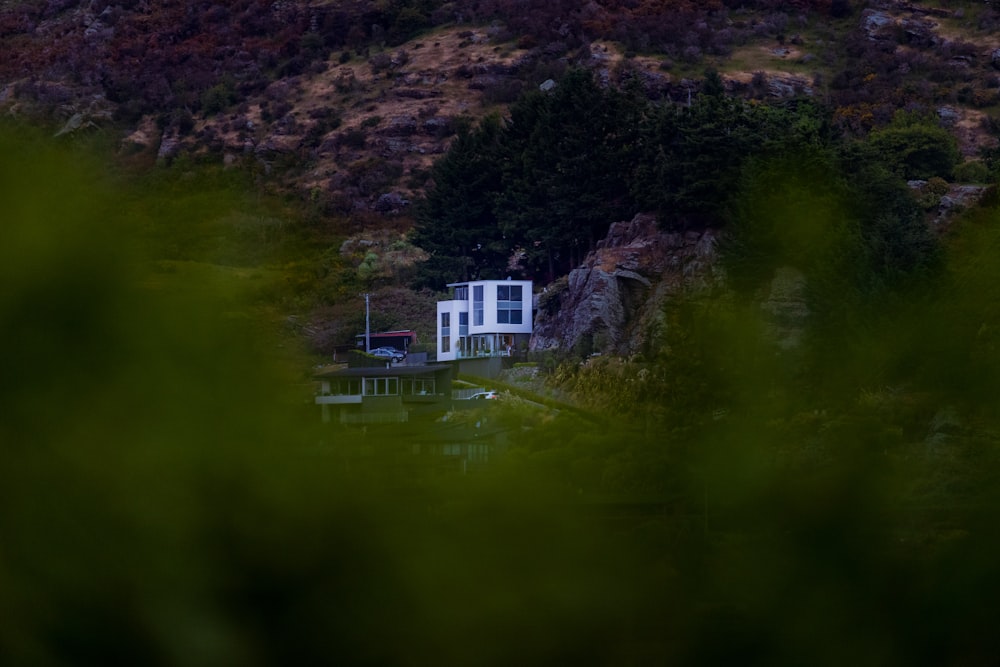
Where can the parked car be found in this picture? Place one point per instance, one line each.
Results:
(389, 353)
(485, 396)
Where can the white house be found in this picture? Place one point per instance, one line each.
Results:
(484, 318)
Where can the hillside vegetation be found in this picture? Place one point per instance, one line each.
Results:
(199, 196)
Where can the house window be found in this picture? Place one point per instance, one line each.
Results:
(509, 304)
(422, 386)
(445, 332)
(477, 305)
(461, 294)
(463, 324)
(479, 453)
(381, 386)
(348, 387)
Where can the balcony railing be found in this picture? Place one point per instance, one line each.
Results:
(337, 399)
(479, 355)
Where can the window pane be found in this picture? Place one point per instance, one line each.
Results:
(502, 316)
(515, 292)
(515, 317)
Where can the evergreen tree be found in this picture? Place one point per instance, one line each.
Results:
(691, 157)
(455, 223)
(563, 175)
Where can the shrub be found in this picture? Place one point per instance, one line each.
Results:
(972, 171)
(217, 98)
(380, 62)
(353, 138)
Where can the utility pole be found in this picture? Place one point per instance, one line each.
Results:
(368, 333)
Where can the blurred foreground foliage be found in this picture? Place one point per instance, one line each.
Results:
(163, 499)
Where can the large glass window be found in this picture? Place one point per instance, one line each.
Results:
(463, 324)
(348, 387)
(509, 304)
(381, 386)
(461, 293)
(422, 386)
(477, 305)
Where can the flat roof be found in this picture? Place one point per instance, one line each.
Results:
(381, 371)
(488, 280)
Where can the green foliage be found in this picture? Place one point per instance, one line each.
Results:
(368, 268)
(544, 185)
(853, 228)
(930, 193)
(218, 98)
(564, 170)
(168, 497)
(455, 222)
(972, 171)
(692, 156)
(916, 146)
(787, 212)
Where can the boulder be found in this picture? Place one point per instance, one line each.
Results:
(399, 126)
(611, 300)
(170, 143)
(391, 202)
(876, 24)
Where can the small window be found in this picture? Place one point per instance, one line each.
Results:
(477, 305)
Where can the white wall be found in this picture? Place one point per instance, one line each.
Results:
(453, 308)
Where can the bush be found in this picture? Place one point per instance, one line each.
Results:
(916, 147)
(353, 138)
(972, 171)
(217, 98)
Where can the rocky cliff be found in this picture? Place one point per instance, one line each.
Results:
(611, 302)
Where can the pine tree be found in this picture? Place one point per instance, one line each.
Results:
(455, 223)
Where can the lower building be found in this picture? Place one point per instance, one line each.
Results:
(383, 394)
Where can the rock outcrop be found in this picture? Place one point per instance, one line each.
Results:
(611, 301)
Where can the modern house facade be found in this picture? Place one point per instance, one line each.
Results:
(484, 318)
